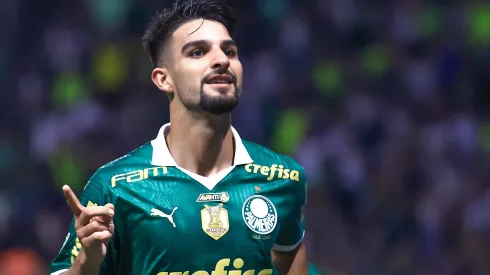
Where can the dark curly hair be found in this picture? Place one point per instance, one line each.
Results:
(163, 25)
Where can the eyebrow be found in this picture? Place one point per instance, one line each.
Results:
(225, 43)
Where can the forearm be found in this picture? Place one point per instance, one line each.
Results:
(282, 266)
(82, 267)
(300, 263)
(291, 263)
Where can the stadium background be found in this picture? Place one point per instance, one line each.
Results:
(384, 103)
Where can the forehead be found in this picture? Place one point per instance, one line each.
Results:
(200, 30)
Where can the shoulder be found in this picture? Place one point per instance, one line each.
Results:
(284, 167)
(263, 154)
(139, 157)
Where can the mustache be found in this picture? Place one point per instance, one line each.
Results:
(220, 71)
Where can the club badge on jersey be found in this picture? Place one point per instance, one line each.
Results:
(259, 214)
(215, 221)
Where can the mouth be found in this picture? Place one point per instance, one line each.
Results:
(220, 80)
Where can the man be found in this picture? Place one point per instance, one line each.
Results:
(197, 199)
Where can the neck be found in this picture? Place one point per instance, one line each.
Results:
(201, 144)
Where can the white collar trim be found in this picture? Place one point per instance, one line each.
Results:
(162, 157)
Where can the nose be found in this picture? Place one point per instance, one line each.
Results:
(220, 60)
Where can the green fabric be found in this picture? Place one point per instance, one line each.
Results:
(164, 217)
(313, 270)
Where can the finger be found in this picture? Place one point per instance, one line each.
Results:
(90, 212)
(101, 218)
(91, 228)
(101, 237)
(72, 200)
(105, 219)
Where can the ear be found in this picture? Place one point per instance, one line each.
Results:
(162, 79)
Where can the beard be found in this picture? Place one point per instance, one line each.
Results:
(218, 104)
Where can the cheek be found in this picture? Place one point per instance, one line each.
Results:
(238, 71)
(190, 70)
(188, 78)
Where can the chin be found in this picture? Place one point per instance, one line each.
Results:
(221, 91)
(219, 99)
(218, 105)
(220, 110)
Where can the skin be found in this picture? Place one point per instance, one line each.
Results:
(182, 79)
(199, 49)
(94, 226)
(291, 263)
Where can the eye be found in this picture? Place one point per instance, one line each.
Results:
(197, 53)
(231, 52)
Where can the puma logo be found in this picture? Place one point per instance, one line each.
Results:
(156, 212)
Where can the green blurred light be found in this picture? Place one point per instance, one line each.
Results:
(480, 24)
(484, 136)
(111, 68)
(66, 168)
(328, 79)
(376, 60)
(290, 131)
(9, 157)
(68, 90)
(272, 10)
(110, 14)
(430, 21)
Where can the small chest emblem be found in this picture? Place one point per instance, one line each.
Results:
(215, 221)
(213, 197)
(259, 214)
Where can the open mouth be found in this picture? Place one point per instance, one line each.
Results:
(220, 79)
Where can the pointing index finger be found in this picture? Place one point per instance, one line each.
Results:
(72, 200)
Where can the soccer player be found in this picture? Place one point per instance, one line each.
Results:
(196, 200)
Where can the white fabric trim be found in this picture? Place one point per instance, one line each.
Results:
(161, 157)
(59, 272)
(287, 248)
(210, 182)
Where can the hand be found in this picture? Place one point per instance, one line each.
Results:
(94, 227)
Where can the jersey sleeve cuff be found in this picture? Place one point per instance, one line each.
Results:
(287, 248)
(59, 272)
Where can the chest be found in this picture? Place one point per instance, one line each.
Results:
(177, 217)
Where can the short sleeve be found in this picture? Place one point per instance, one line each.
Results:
(292, 228)
(94, 194)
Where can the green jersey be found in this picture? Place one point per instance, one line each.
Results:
(169, 221)
(313, 270)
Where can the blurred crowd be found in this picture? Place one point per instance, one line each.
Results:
(384, 103)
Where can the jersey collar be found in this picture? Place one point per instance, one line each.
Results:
(162, 157)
